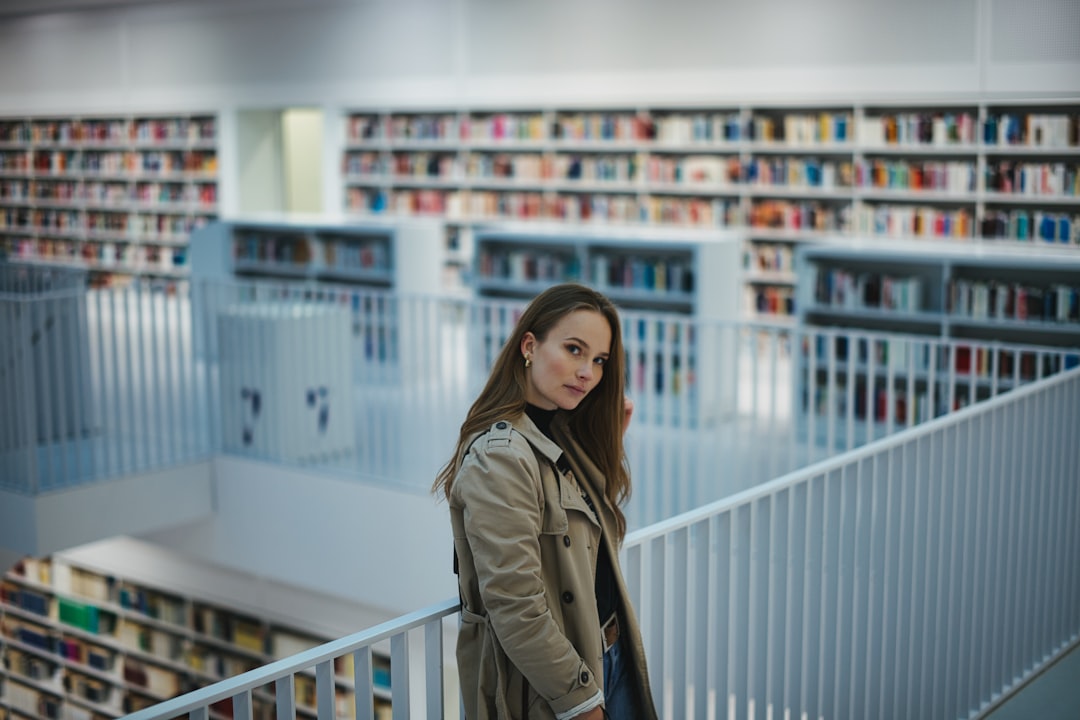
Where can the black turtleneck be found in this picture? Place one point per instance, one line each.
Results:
(541, 418)
(606, 600)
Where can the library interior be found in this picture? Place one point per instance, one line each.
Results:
(257, 259)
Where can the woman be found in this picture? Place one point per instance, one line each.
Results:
(534, 487)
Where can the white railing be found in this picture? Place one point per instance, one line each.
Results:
(96, 384)
(923, 575)
(720, 407)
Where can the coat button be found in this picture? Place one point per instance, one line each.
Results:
(566, 540)
(568, 597)
(584, 678)
(501, 425)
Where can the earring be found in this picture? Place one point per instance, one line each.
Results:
(528, 361)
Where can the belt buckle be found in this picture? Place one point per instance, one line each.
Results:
(610, 632)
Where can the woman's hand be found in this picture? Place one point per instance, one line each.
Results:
(597, 713)
(628, 409)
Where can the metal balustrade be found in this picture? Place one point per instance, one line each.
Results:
(922, 575)
(107, 376)
(720, 407)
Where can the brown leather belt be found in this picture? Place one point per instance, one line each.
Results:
(610, 631)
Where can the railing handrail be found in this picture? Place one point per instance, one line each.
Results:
(52, 294)
(833, 462)
(287, 667)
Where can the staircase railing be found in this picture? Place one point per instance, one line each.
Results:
(927, 574)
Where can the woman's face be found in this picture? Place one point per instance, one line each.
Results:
(569, 362)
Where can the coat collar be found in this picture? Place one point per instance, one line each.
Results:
(524, 425)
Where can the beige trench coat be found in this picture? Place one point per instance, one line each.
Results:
(530, 644)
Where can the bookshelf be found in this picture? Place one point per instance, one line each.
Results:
(919, 292)
(654, 270)
(1030, 297)
(666, 277)
(108, 628)
(118, 195)
(981, 173)
(370, 253)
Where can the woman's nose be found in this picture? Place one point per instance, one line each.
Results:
(585, 370)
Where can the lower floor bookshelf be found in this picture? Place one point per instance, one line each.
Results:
(107, 629)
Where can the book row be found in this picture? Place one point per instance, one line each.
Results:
(1026, 225)
(346, 254)
(99, 255)
(654, 274)
(161, 226)
(267, 248)
(872, 127)
(112, 162)
(988, 299)
(771, 300)
(870, 218)
(1031, 179)
(914, 221)
(714, 212)
(112, 130)
(769, 258)
(911, 221)
(839, 288)
(109, 192)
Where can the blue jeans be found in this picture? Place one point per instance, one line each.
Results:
(620, 700)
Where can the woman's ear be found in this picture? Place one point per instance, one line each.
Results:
(528, 343)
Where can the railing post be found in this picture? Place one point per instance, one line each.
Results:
(433, 666)
(325, 693)
(399, 676)
(26, 379)
(285, 697)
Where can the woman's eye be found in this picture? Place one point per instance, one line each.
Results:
(600, 361)
(574, 349)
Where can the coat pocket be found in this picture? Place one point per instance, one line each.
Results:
(476, 668)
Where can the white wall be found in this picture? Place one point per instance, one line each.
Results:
(201, 54)
(386, 549)
(132, 504)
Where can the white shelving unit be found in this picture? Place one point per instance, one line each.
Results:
(669, 270)
(785, 174)
(1030, 296)
(400, 254)
(118, 195)
(666, 276)
(941, 319)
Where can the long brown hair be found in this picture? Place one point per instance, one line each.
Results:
(597, 422)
